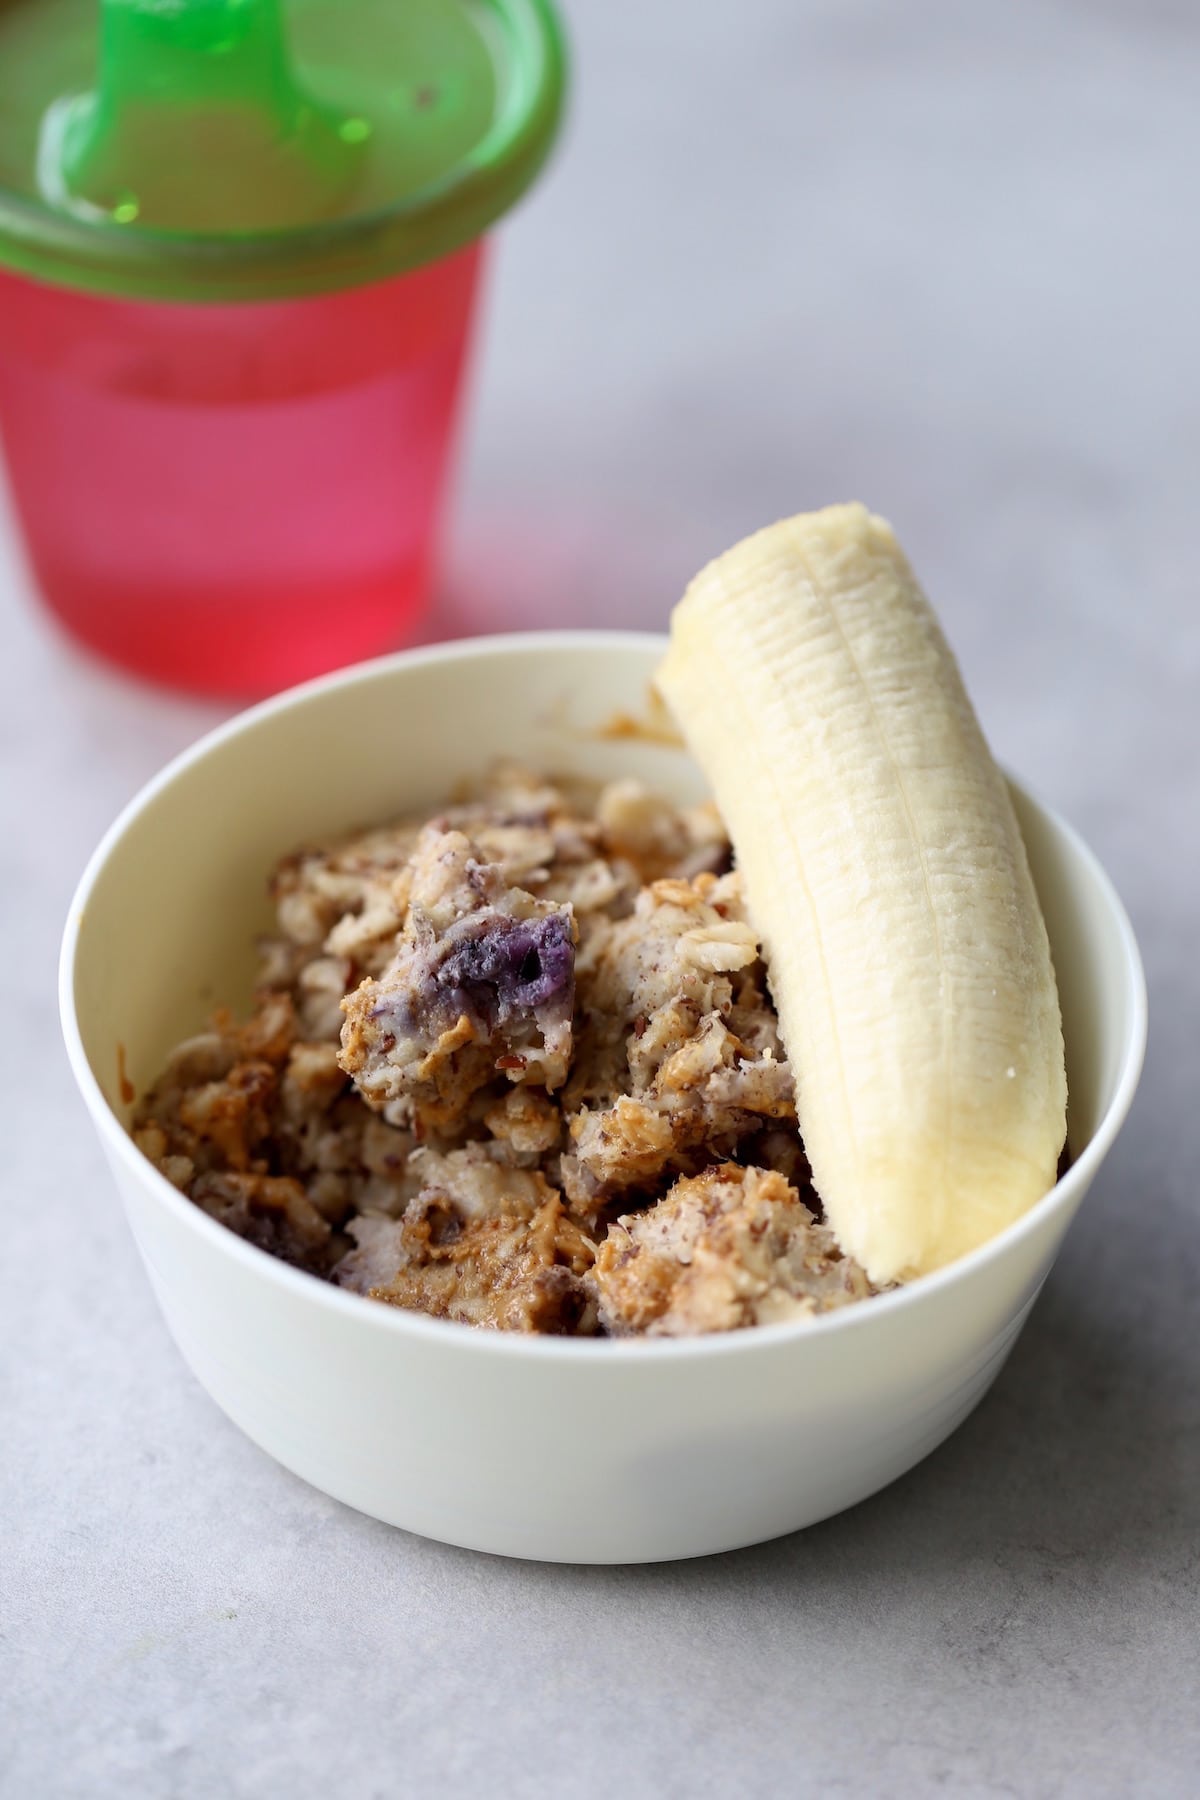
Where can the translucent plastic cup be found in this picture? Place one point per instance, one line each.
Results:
(240, 244)
(232, 498)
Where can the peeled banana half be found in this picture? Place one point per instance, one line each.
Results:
(886, 875)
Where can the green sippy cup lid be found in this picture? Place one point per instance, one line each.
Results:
(255, 149)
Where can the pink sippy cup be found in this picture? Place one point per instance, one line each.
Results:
(240, 244)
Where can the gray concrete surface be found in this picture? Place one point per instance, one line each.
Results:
(943, 257)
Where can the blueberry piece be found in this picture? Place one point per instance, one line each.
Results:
(509, 966)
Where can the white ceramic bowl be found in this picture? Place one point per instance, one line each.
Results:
(567, 1450)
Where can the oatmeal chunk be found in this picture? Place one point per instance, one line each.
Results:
(478, 1182)
(527, 1121)
(731, 1247)
(481, 1243)
(679, 1058)
(482, 984)
(268, 1210)
(658, 838)
(505, 1274)
(338, 907)
(256, 1100)
(481, 1034)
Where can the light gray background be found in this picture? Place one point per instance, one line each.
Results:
(942, 256)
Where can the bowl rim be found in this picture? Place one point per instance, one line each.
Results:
(451, 1333)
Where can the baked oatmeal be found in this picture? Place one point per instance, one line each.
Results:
(517, 1065)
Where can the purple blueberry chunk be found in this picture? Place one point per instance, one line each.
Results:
(510, 966)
